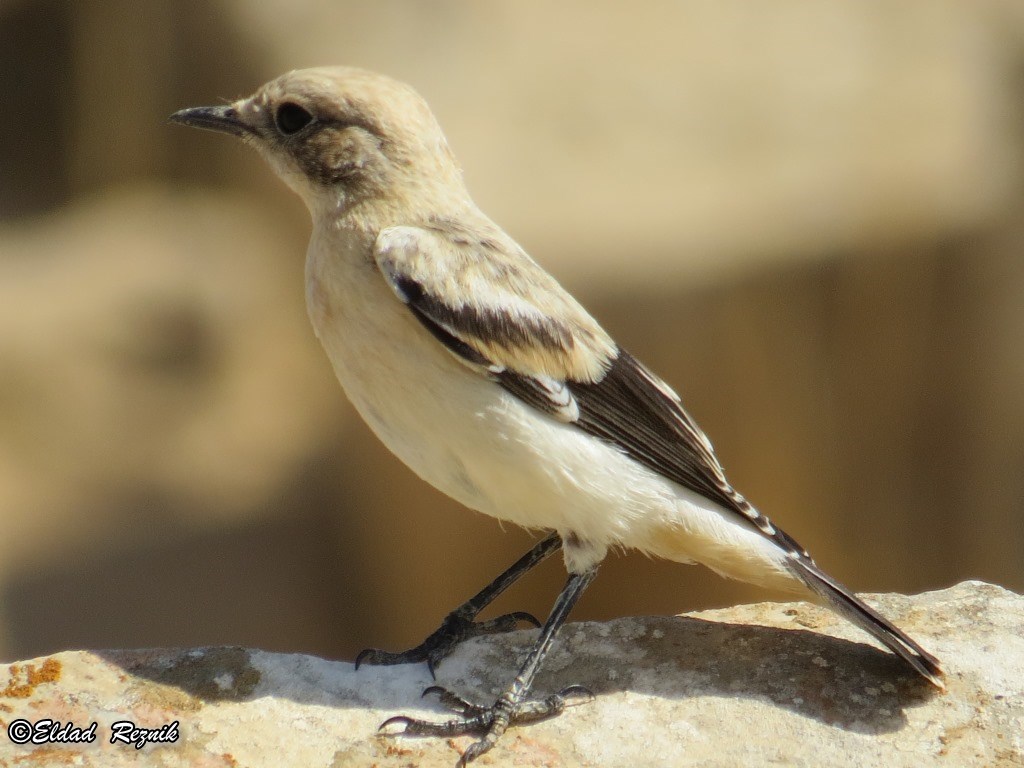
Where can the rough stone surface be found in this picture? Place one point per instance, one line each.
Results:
(779, 684)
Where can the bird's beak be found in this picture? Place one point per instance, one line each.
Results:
(224, 119)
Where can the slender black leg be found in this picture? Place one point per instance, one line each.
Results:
(512, 707)
(460, 625)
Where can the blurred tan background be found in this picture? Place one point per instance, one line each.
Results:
(806, 216)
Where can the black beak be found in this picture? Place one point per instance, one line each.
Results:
(222, 119)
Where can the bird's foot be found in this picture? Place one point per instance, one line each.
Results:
(456, 627)
(492, 721)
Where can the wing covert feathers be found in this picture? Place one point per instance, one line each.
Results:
(484, 291)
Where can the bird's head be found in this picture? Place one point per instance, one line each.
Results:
(339, 135)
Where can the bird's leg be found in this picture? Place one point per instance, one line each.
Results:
(512, 707)
(459, 625)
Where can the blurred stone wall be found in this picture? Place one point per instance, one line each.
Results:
(806, 217)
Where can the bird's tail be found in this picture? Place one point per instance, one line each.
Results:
(848, 605)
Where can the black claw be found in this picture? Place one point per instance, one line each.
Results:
(455, 703)
(363, 654)
(473, 751)
(406, 721)
(529, 618)
(504, 623)
(572, 690)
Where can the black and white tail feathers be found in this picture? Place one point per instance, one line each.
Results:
(850, 607)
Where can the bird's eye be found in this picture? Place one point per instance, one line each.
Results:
(291, 118)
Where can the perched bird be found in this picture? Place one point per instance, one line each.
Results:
(492, 383)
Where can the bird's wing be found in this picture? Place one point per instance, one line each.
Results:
(500, 313)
